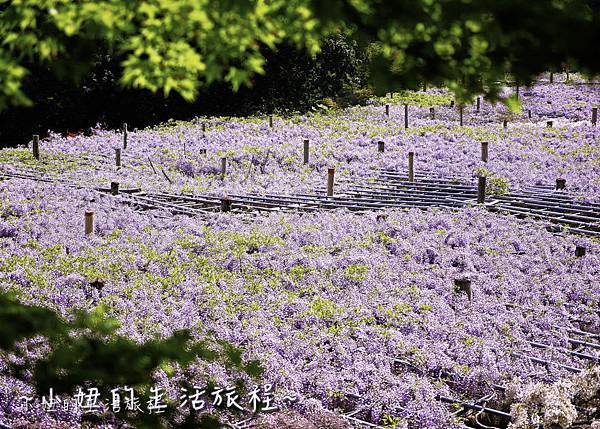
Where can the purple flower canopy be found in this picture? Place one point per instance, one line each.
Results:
(343, 310)
(324, 300)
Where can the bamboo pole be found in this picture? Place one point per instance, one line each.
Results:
(223, 167)
(306, 151)
(330, 181)
(89, 223)
(35, 147)
(481, 190)
(484, 151)
(226, 204)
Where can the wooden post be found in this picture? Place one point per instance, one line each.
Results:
(270, 121)
(505, 124)
(35, 146)
(118, 157)
(223, 167)
(387, 110)
(226, 204)
(125, 136)
(89, 223)
(549, 124)
(517, 92)
(460, 114)
(551, 77)
(481, 190)
(406, 116)
(580, 251)
(203, 128)
(478, 104)
(594, 115)
(330, 178)
(380, 146)
(484, 151)
(561, 184)
(306, 151)
(411, 166)
(529, 113)
(114, 188)
(464, 285)
(432, 112)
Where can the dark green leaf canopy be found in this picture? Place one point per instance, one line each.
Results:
(179, 45)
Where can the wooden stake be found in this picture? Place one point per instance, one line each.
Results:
(505, 124)
(330, 179)
(406, 116)
(561, 184)
(89, 223)
(114, 188)
(529, 113)
(464, 285)
(380, 146)
(226, 204)
(460, 114)
(36, 146)
(306, 151)
(594, 115)
(478, 104)
(481, 190)
(484, 151)
(118, 157)
(432, 112)
(517, 92)
(551, 77)
(411, 166)
(223, 167)
(203, 128)
(125, 136)
(270, 121)
(387, 110)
